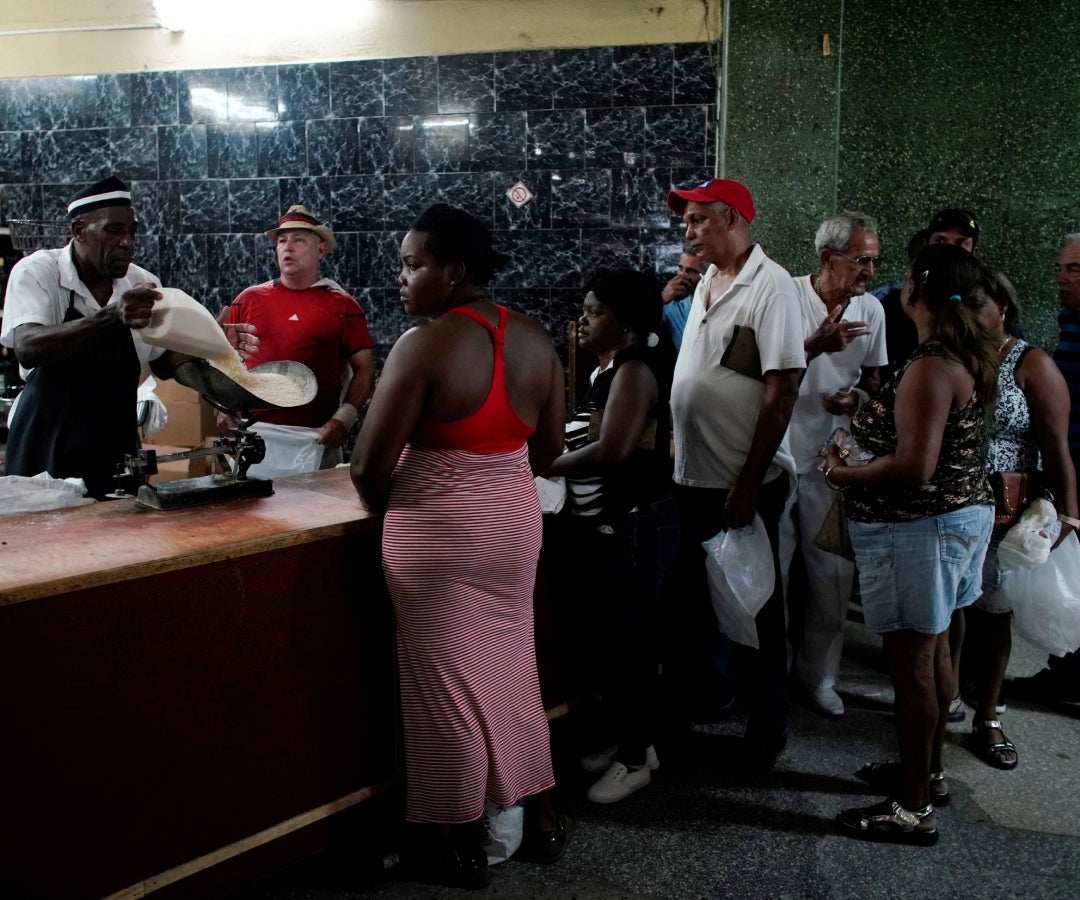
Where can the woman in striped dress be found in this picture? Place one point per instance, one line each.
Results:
(468, 406)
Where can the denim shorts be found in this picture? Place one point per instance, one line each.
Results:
(992, 599)
(914, 575)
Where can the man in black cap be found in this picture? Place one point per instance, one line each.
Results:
(72, 317)
(954, 226)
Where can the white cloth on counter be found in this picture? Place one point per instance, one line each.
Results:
(552, 493)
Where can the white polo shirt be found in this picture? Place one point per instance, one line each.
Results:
(714, 409)
(827, 373)
(39, 292)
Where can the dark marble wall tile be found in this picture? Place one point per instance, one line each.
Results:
(203, 96)
(231, 151)
(675, 136)
(582, 78)
(182, 152)
(12, 165)
(304, 91)
(21, 201)
(108, 102)
(204, 207)
(442, 143)
(406, 197)
(411, 86)
(534, 214)
(359, 203)
(253, 95)
(387, 144)
(266, 264)
(356, 88)
(540, 259)
(613, 248)
(282, 148)
(157, 205)
(314, 193)
(54, 198)
(639, 198)
(67, 156)
(615, 137)
(386, 317)
(230, 262)
(182, 262)
(472, 191)
(253, 202)
(467, 83)
(154, 98)
(695, 73)
(343, 264)
(556, 140)
(148, 256)
(524, 81)
(641, 76)
(378, 261)
(333, 147)
(497, 141)
(581, 199)
(134, 151)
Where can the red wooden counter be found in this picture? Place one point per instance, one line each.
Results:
(180, 688)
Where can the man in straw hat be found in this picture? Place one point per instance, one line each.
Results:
(305, 318)
(72, 317)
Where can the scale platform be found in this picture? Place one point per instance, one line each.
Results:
(205, 489)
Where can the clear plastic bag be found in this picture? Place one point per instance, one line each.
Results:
(290, 450)
(739, 563)
(1045, 599)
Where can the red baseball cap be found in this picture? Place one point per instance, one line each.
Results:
(725, 190)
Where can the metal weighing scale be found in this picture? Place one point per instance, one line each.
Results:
(242, 445)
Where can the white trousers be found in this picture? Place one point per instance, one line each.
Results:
(829, 581)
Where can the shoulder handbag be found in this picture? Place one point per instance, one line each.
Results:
(1013, 491)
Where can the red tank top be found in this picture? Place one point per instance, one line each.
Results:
(494, 427)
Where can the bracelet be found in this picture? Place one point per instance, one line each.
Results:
(828, 472)
(1069, 520)
(346, 414)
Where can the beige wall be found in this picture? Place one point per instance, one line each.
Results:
(82, 37)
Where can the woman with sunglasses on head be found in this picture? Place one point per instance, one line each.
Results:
(1031, 435)
(920, 516)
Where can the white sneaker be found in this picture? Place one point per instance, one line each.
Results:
(825, 700)
(601, 760)
(618, 783)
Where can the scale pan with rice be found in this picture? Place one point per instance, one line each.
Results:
(215, 372)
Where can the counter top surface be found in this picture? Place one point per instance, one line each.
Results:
(47, 553)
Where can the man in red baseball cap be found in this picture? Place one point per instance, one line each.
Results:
(736, 381)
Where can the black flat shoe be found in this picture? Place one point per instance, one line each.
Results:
(547, 846)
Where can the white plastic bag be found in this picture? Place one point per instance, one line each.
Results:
(1027, 544)
(505, 827)
(25, 493)
(1046, 599)
(151, 412)
(739, 563)
(290, 450)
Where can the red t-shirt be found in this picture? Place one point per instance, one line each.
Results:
(320, 327)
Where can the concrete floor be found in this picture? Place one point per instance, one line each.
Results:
(700, 830)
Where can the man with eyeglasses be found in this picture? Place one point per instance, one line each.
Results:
(1060, 680)
(845, 345)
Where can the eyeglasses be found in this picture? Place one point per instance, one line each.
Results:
(860, 261)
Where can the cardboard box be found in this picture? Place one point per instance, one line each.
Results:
(191, 419)
(170, 471)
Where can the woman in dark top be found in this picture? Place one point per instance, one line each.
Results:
(620, 532)
(920, 517)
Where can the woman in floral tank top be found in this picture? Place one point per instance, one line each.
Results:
(1030, 434)
(920, 516)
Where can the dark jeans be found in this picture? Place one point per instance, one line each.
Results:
(607, 573)
(695, 656)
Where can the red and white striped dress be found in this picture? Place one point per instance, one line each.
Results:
(461, 538)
